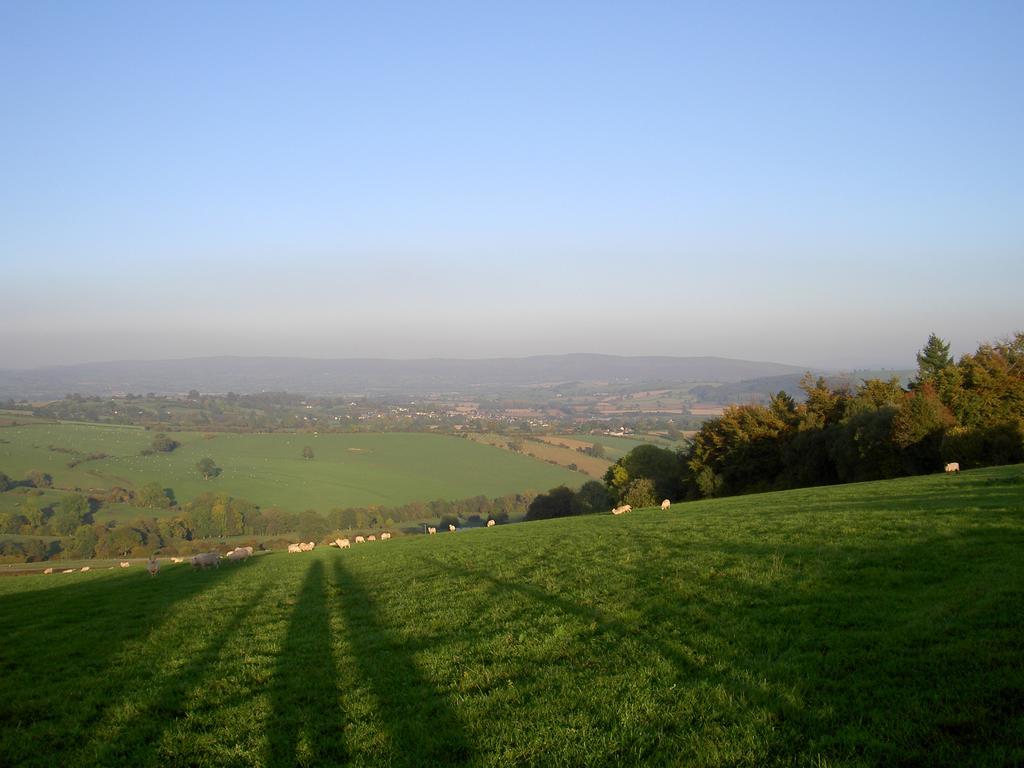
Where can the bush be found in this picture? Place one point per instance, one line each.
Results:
(558, 502)
(981, 447)
(640, 493)
(164, 444)
(39, 479)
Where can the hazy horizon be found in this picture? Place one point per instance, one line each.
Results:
(815, 185)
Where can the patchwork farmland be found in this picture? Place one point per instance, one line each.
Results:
(269, 469)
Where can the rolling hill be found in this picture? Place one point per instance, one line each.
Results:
(859, 625)
(368, 376)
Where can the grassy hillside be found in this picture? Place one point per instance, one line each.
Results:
(861, 625)
(348, 469)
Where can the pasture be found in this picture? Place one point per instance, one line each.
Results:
(347, 470)
(861, 625)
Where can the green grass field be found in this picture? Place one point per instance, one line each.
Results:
(861, 625)
(348, 470)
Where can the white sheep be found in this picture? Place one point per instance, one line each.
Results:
(344, 544)
(85, 569)
(666, 504)
(451, 528)
(68, 570)
(360, 540)
(490, 523)
(239, 554)
(294, 547)
(953, 466)
(177, 559)
(371, 537)
(431, 530)
(153, 566)
(48, 570)
(205, 559)
(385, 536)
(125, 563)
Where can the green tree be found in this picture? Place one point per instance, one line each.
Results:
(592, 497)
(918, 429)
(207, 468)
(640, 493)
(932, 360)
(119, 542)
(71, 513)
(824, 406)
(83, 546)
(39, 479)
(34, 513)
(558, 502)
(153, 496)
(164, 444)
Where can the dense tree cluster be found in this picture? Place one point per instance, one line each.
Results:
(971, 411)
(562, 501)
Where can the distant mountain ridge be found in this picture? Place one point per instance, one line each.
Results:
(357, 376)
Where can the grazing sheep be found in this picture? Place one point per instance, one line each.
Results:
(177, 559)
(385, 536)
(371, 537)
(451, 527)
(69, 570)
(153, 566)
(205, 560)
(85, 569)
(666, 504)
(344, 544)
(238, 554)
(125, 563)
(491, 523)
(622, 510)
(48, 570)
(953, 466)
(360, 540)
(431, 531)
(294, 547)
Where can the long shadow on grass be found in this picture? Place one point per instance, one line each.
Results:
(687, 665)
(62, 639)
(914, 661)
(306, 726)
(136, 738)
(422, 726)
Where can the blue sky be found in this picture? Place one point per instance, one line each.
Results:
(813, 183)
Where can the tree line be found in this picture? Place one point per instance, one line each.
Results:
(970, 411)
(209, 517)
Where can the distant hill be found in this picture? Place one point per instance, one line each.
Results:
(759, 390)
(370, 376)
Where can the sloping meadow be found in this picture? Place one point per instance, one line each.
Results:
(870, 624)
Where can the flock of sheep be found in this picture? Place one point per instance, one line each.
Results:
(212, 559)
(206, 560)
